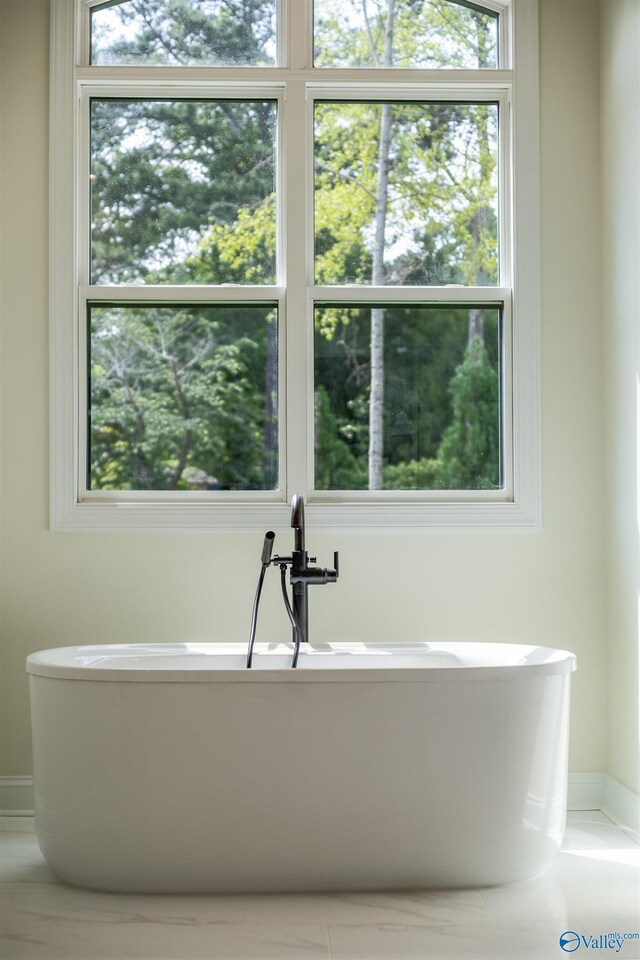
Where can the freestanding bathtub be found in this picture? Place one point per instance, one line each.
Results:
(171, 768)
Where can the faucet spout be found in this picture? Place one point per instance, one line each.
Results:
(303, 575)
(298, 567)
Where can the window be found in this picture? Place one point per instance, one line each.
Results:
(294, 248)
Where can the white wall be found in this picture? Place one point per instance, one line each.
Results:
(534, 586)
(620, 129)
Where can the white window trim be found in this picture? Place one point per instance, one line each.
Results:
(196, 510)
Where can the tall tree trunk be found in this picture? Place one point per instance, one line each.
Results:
(376, 397)
(476, 325)
(187, 435)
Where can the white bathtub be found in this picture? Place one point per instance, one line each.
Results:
(170, 768)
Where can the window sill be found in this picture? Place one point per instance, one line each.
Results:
(122, 516)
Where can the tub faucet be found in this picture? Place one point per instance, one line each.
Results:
(302, 577)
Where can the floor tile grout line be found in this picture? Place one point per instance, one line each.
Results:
(630, 836)
(488, 908)
(329, 950)
(628, 832)
(620, 828)
(610, 819)
(329, 941)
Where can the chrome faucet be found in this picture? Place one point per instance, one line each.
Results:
(302, 577)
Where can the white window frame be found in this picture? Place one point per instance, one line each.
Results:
(295, 84)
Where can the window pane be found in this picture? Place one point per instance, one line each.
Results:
(439, 409)
(404, 33)
(183, 191)
(185, 33)
(406, 193)
(183, 398)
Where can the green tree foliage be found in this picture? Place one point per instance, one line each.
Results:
(174, 398)
(337, 467)
(183, 192)
(185, 33)
(165, 173)
(238, 252)
(441, 222)
(427, 34)
(425, 355)
(469, 455)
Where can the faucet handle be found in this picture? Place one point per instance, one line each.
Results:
(336, 565)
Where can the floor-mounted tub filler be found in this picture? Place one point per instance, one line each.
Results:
(174, 768)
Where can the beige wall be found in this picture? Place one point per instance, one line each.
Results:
(534, 586)
(620, 112)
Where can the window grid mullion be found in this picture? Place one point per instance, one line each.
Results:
(83, 399)
(405, 294)
(83, 189)
(156, 293)
(505, 196)
(297, 384)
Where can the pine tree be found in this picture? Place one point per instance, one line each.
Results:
(469, 455)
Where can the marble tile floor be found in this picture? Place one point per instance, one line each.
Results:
(592, 888)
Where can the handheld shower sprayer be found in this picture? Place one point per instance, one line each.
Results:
(267, 550)
(267, 547)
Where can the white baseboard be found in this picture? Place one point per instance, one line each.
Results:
(599, 791)
(16, 796)
(586, 791)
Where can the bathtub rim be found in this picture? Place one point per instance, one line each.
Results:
(43, 663)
